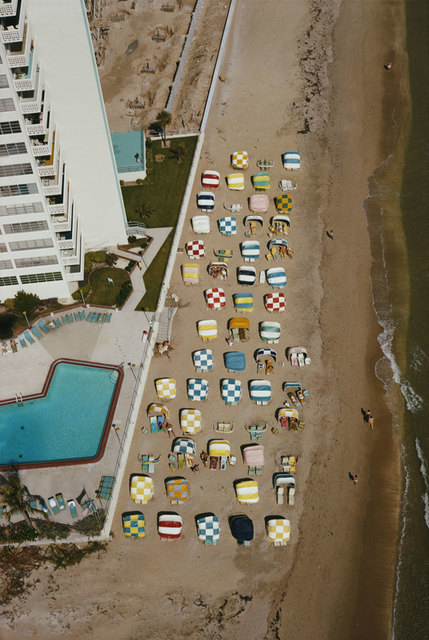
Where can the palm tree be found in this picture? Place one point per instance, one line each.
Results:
(178, 152)
(16, 496)
(144, 211)
(163, 119)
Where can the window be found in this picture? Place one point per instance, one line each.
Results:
(25, 227)
(7, 104)
(19, 209)
(3, 248)
(15, 170)
(8, 280)
(35, 262)
(41, 277)
(12, 149)
(42, 243)
(5, 264)
(10, 127)
(3, 81)
(17, 190)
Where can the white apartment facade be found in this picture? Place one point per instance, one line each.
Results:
(59, 188)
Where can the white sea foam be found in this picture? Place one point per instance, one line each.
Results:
(418, 358)
(403, 527)
(413, 400)
(423, 471)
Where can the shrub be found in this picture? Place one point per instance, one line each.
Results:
(124, 291)
(25, 301)
(63, 556)
(132, 239)
(130, 266)
(92, 524)
(6, 325)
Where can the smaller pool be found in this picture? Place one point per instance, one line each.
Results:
(67, 423)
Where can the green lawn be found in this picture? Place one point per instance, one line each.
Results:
(154, 276)
(163, 190)
(101, 291)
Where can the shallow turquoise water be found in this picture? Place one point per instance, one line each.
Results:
(67, 424)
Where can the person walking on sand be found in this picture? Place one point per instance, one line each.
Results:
(330, 234)
(355, 480)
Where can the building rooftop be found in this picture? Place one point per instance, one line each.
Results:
(129, 149)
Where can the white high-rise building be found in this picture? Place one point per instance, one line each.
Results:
(59, 188)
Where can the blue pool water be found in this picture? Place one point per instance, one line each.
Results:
(68, 423)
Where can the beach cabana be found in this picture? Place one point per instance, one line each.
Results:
(280, 225)
(265, 359)
(134, 524)
(218, 270)
(240, 159)
(235, 181)
(259, 203)
(158, 416)
(166, 388)
(231, 391)
(243, 302)
(208, 528)
(191, 273)
(275, 302)
(203, 360)
(210, 179)
(186, 446)
(287, 462)
(228, 226)
(235, 361)
(197, 389)
(250, 250)
(276, 277)
(253, 223)
(284, 484)
(170, 526)
(288, 418)
(219, 454)
(278, 248)
(190, 421)
(283, 203)
(261, 180)
(253, 456)
(195, 249)
(207, 329)
(298, 356)
(247, 491)
(296, 394)
(246, 275)
(242, 529)
(238, 329)
(205, 201)
(292, 160)
(200, 224)
(178, 490)
(215, 298)
(278, 531)
(141, 488)
(260, 391)
(270, 331)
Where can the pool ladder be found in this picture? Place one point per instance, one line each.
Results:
(18, 399)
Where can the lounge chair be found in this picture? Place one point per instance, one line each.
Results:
(100, 318)
(22, 341)
(43, 326)
(60, 500)
(301, 359)
(65, 320)
(29, 337)
(57, 322)
(286, 185)
(77, 316)
(53, 504)
(36, 332)
(44, 506)
(81, 315)
(89, 317)
(72, 507)
(107, 317)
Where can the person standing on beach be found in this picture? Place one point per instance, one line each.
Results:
(355, 480)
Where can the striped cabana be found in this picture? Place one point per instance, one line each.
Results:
(243, 302)
(292, 160)
(205, 201)
(170, 526)
(250, 250)
(210, 179)
(260, 391)
(220, 448)
(276, 277)
(270, 331)
(246, 275)
(207, 329)
(261, 180)
(191, 273)
(235, 181)
(247, 491)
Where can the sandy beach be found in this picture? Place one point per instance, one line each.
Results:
(294, 75)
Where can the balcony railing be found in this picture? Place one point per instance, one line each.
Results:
(36, 129)
(9, 9)
(40, 150)
(66, 244)
(52, 191)
(61, 227)
(55, 209)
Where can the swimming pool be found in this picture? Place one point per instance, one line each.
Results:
(67, 423)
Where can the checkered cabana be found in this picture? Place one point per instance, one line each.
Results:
(235, 361)
(203, 360)
(190, 421)
(166, 388)
(210, 179)
(247, 491)
(235, 181)
(260, 391)
(292, 160)
(283, 203)
(240, 160)
(207, 329)
(195, 249)
(250, 250)
(185, 445)
(276, 277)
(231, 391)
(205, 201)
(170, 526)
(228, 226)
(208, 528)
(190, 273)
(200, 224)
(134, 525)
(275, 301)
(246, 275)
(243, 302)
(198, 389)
(178, 490)
(278, 531)
(270, 331)
(215, 298)
(261, 180)
(141, 488)
(259, 203)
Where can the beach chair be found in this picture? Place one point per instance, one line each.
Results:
(286, 185)
(22, 341)
(53, 504)
(43, 326)
(60, 500)
(100, 318)
(44, 506)
(107, 317)
(72, 507)
(89, 317)
(76, 316)
(82, 315)
(57, 323)
(64, 320)
(35, 331)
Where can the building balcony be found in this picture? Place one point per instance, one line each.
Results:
(19, 52)
(12, 26)
(66, 244)
(36, 130)
(57, 209)
(32, 104)
(27, 76)
(8, 8)
(61, 224)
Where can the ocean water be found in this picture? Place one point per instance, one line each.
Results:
(397, 210)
